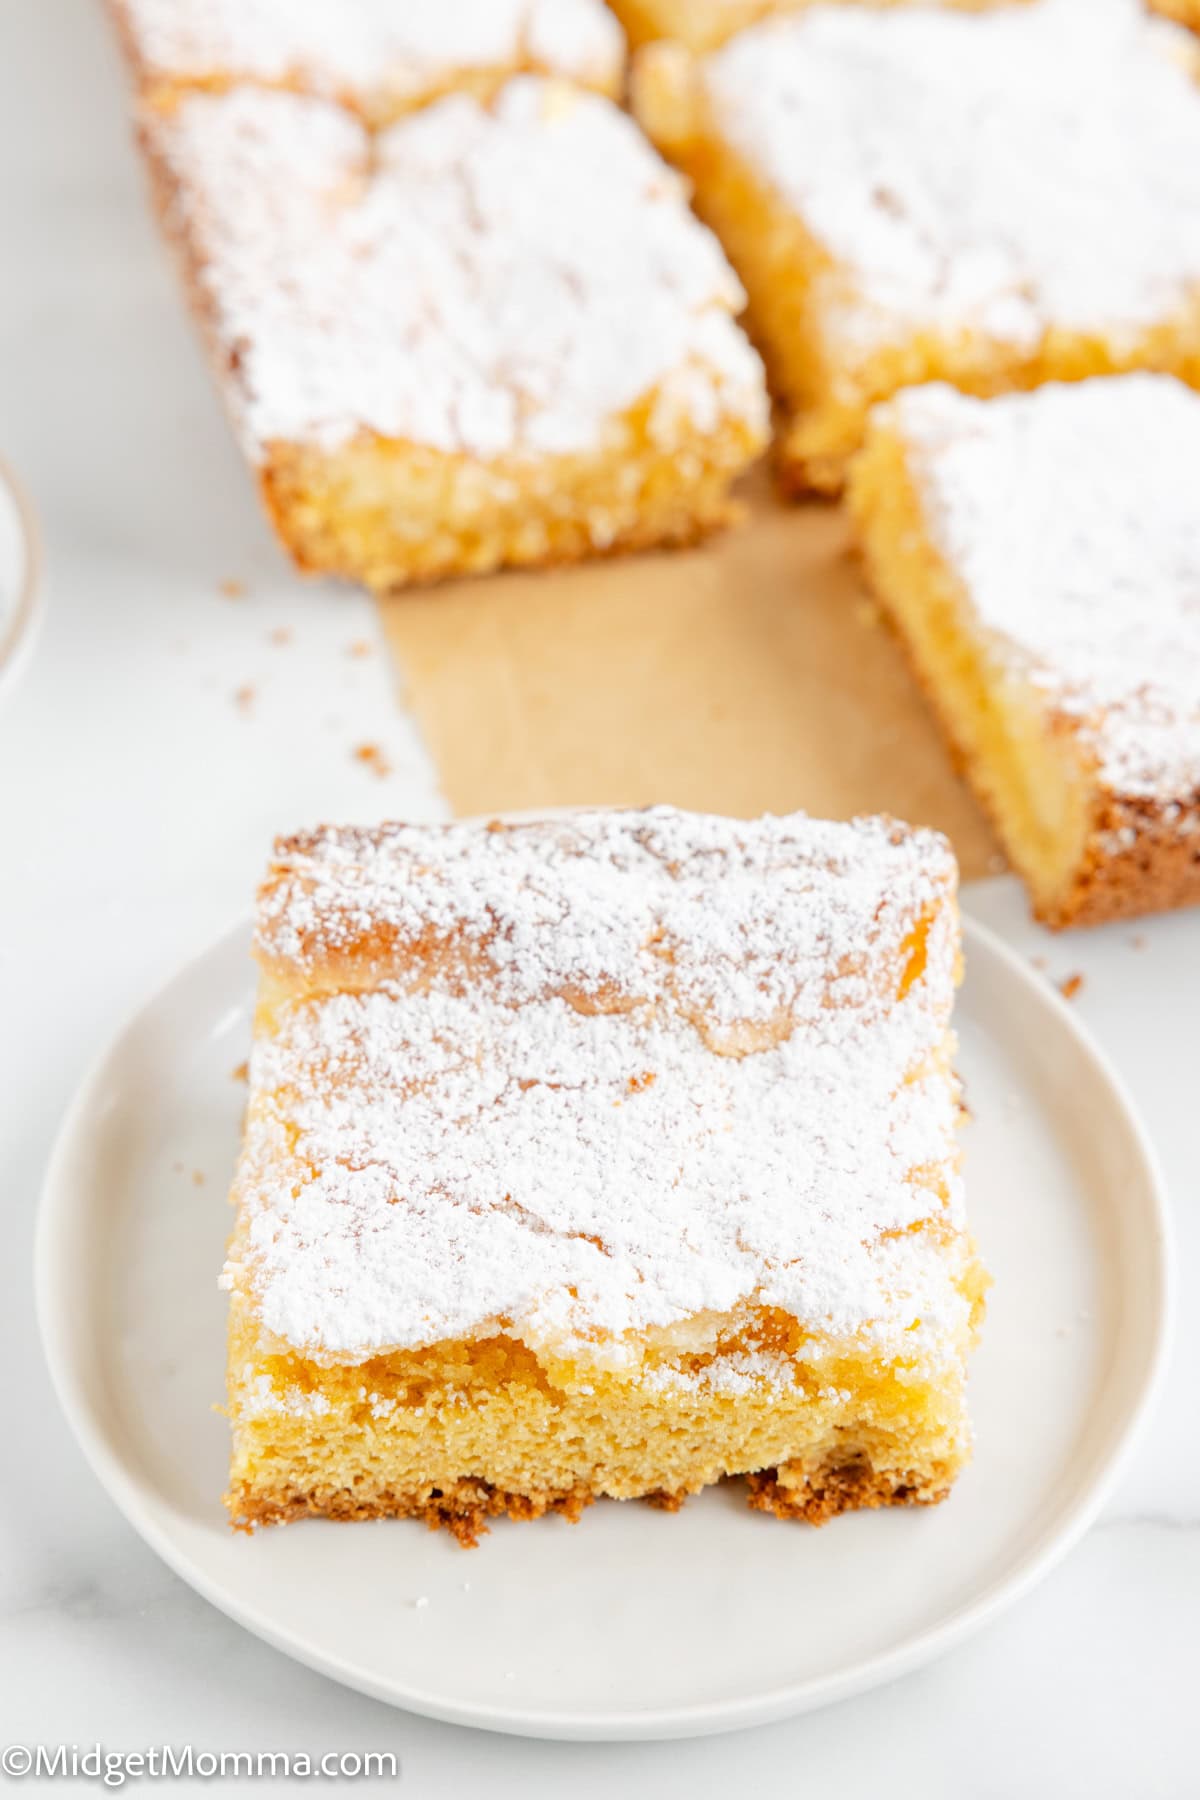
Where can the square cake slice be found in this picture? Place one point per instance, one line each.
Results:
(994, 200)
(379, 57)
(610, 1155)
(704, 24)
(488, 335)
(1040, 557)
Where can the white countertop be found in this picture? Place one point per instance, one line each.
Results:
(138, 795)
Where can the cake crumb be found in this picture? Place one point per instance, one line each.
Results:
(244, 697)
(197, 1177)
(1039, 963)
(231, 588)
(359, 648)
(373, 758)
(420, 1601)
(1070, 985)
(241, 1073)
(1138, 941)
(281, 635)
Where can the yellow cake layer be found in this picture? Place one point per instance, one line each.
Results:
(391, 514)
(460, 1429)
(1030, 774)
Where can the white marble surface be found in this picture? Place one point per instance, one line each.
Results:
(137, 794)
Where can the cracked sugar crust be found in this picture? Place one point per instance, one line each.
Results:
(487, 281)
(1070, 516)
(363, 46)
(1000, 173)
(619, 1071)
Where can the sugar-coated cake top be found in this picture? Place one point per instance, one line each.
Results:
(1072, 516)
(602, 1075)
(484, 280)
(361, 47)
(1004, 173)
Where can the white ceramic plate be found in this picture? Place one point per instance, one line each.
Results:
(19, 584)
(633, 1623)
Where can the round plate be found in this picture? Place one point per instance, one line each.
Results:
(19, 585)
(633, 1623)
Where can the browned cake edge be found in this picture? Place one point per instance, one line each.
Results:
(466, 1508)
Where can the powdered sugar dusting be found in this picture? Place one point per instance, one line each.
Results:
(489, 280)
(1004, 173)
(690, 1085)
(372, 48)
(1071, 516)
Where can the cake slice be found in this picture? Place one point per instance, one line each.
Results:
(1039, 555)
(379, 57)
(488, 335)
(704, 24)
(994, 200)
(610, 1155)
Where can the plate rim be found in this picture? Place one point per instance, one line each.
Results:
(677, 1721)
(17, 638)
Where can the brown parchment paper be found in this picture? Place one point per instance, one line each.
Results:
(749, 675)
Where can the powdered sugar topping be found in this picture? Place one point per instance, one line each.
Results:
(489, 280)
(373, 50)
(1071, 517)
(1033, 167)
(575, 1147)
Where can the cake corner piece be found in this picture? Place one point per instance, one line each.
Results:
(609, 403)
(570, 1170)
(919, 194)
(1039, 556)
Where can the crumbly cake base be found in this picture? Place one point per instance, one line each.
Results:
(466, 1508)
(392, 515)
(705, 24)
(823, 391)
(1087, 855)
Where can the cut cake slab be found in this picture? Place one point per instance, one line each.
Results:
(610, 1155)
